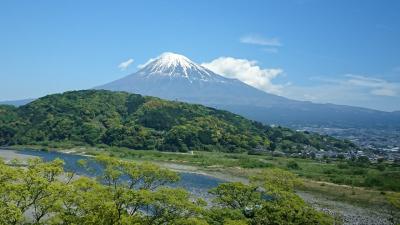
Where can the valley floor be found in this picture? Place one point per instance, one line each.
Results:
(352, 205)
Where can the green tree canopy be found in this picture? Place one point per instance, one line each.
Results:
(96, 117)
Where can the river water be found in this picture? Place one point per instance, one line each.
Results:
(197, 184)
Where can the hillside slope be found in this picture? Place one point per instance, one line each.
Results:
(94, 117)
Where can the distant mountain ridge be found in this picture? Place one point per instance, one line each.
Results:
(17, 103)
(175, 77)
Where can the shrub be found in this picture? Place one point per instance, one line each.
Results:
(372, 181)
(293, 165)
(359, 171)
(330, 171)
(342, 166)
(253, 163)
(381, 167)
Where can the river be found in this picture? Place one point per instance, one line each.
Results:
(197, 184)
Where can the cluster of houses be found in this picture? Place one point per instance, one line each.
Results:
(372, 155)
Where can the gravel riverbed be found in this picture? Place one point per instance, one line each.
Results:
(348, 213)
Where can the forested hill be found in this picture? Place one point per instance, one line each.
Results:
(98, 117)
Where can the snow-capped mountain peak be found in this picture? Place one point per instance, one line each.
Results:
(169, 59)
(175, 65)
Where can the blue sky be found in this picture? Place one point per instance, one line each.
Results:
(344, 52)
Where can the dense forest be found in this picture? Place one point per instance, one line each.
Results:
(105, 118)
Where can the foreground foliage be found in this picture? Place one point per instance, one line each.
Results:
(130, 193)
(95, 117)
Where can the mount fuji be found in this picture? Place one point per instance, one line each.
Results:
(175, 77)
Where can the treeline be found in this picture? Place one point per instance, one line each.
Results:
(93, 117)
(129, 193)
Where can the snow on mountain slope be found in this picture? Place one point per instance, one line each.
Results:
(175, 65)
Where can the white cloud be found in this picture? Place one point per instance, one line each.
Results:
(140, 66)
(349, 89)
(363, 84)
(247, 71)
(124, 65)
(384, 92)
(376, 86)
(259, 40)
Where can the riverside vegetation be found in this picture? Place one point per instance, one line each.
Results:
(136, 193)
(382, 176)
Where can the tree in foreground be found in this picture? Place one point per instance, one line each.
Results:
(268, 199)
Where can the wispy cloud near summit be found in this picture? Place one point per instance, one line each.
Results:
(259, 40)
(124, 65)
